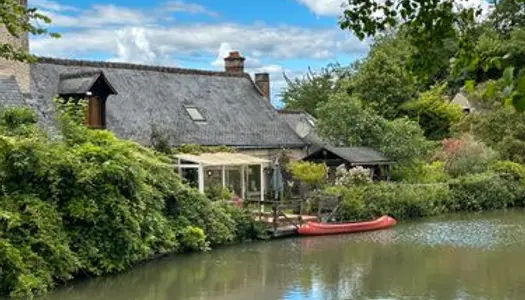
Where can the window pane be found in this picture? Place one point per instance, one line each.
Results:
(194, 114)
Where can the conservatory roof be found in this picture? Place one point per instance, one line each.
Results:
(222, 159)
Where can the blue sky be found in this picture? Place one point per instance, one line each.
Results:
(275, 36)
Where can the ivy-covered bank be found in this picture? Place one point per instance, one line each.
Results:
(85, 203)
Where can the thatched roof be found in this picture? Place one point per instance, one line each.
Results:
(234, 111)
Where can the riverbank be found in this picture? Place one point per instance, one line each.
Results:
(85, 203)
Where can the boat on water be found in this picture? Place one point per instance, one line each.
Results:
(317, 228)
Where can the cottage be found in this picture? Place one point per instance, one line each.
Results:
(209, 108)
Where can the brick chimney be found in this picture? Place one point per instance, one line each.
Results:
(262, 80)
(234, 63)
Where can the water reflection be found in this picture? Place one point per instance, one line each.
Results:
(455, 257)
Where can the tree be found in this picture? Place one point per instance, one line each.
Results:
(433, 113)
(313, 89)
(19, 20)
(344, 121)
(382, 80)
(433, 28)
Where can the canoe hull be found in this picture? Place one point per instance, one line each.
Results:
(316, 228)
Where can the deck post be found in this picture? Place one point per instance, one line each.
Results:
(262, 185)
(179, 167)
(201, 179)
(223, 177)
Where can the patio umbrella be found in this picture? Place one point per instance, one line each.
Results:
(277, 182)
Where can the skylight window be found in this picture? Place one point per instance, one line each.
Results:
(195, 114)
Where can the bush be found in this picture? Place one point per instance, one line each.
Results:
(419, 172)
(466, 156)
(509, 170)
(483, 191)
(308, 172)
(353, 177)
(194, 239)
(89, 203)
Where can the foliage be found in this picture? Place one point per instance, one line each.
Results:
(19, 21)
(405, 201)
(199, 149)
(466, 155)
(353, 177)
(159, 139)
(313, 89)
(483, 191)
(382, 80)
(501, 129)
(194, 239)
(89, 203)
(217, 192)
(420, 172)
(344, 121)
(509, 170)
(308, 172)
(433, 113)
(434, 29)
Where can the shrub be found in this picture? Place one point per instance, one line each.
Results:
(419, 172)
(194, 239)
(509, 169)
(90, 203)
(308, 172)
(353, 177)
(466, 156)
(483, 191)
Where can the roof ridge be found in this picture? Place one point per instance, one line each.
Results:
(290, 111)
(132, 66)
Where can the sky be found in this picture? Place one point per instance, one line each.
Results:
(275, 36)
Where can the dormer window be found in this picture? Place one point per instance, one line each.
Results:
(194, 114)
(92, 86)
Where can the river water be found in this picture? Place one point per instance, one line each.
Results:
(469, 256)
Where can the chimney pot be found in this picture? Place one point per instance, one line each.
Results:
(262, 80)
(234, 63)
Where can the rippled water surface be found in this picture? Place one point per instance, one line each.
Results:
(476, 256)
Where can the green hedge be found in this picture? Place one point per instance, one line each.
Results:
(85, 202)
(406, 201)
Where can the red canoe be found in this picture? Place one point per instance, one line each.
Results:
(316, 228)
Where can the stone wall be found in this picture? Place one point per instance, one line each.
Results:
(17, 69)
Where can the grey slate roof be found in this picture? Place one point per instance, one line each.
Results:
(80, 83)
(354, 155)
(10, 92)
(236, 113)
(359, 155)
(296, 119)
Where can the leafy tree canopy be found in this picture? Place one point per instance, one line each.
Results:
(313, 89)
(19, 20)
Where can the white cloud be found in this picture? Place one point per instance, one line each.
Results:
(50, 5)
(100, 16)
(192, 8)
(254, 42)
(325, 7)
